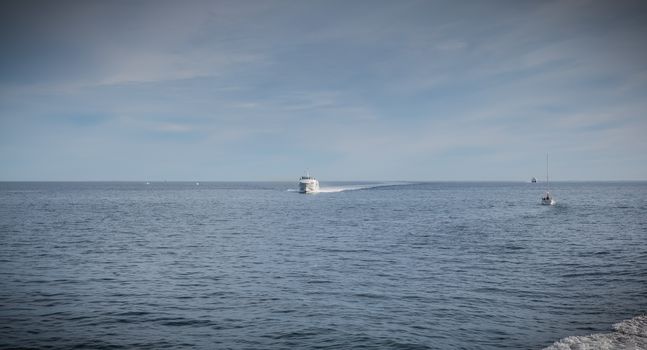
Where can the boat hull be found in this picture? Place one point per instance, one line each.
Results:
(548, 201)
(309, 186)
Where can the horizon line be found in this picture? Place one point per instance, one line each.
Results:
(337, 180)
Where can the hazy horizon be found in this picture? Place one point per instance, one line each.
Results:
(262, 90)
(395, 182)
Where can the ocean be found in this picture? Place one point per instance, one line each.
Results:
(256, 265)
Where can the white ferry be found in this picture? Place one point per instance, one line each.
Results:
(308, 184)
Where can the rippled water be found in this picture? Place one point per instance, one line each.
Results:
(255, 265)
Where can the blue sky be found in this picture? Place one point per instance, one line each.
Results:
(351, 90)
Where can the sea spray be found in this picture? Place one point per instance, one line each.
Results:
(628, 335)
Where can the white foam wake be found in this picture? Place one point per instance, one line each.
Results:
(629, 335)
(335, 189)
(342, 188)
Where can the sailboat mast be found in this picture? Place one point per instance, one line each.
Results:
(547, 182)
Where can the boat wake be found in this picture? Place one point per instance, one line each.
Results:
(343, 188)
(628, 334)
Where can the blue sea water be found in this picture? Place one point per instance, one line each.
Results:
(361, 266)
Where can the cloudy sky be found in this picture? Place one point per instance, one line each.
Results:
(351, 90)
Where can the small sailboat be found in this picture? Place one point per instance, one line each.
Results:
(548, 198)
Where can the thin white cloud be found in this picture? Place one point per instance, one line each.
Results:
(451, 45)
(172, 127)
(147, 67)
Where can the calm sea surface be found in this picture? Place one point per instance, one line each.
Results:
(259, 266)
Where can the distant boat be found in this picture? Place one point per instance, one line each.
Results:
(308, 184)
(548, 198)
(533, 180)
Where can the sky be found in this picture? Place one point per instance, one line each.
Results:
(349, 90)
